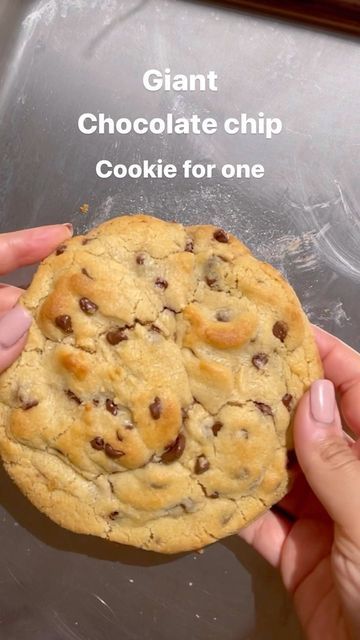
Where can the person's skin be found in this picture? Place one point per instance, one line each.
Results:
(18, 249)
(313, 535)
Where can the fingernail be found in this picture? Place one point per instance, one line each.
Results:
(13, 325)
(69, 226)
(322, 401)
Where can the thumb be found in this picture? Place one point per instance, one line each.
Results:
(13, 334)
(330, 465)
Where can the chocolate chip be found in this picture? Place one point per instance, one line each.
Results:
(111, 407)
(113, 453)
(96, 403)
(88, 306)
(97, 443)
(140, 258)
(223, 315)
(201, 465)
(29, 405)
(174, 450)
(86, 273)
(129, 426)
(210, 281)
(116, 336)
(259, 360)
(155, 408)
(280, 330)
(71, 395)
(287, 400)
(189, 246)
(221, 236)
(264, 408)
(161, 283)
(216, 427)
(113, 515)
(64, 323)
(119, 436)
(60, 250)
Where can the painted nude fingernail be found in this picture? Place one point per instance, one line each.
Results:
(322, 401)
(13, 325)
(70, 227)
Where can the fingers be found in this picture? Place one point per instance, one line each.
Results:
(329, 463)
(301, 501)
(8, 297)
(267, 535)
(20, 248)
(342, 367)
(309, 542)
(13, 333)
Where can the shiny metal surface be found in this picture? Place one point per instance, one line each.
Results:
(60, 58)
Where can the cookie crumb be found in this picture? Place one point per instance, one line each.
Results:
(84, 208)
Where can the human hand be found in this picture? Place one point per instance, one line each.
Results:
(313, 534)
(18, 249)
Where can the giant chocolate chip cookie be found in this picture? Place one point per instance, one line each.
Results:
(153, 400)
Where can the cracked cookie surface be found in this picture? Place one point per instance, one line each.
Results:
(152, 404)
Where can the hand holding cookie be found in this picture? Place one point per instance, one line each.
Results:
(18, 249)
(153, 403)
(313, 535)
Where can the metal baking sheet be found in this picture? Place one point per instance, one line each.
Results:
(60, 58)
